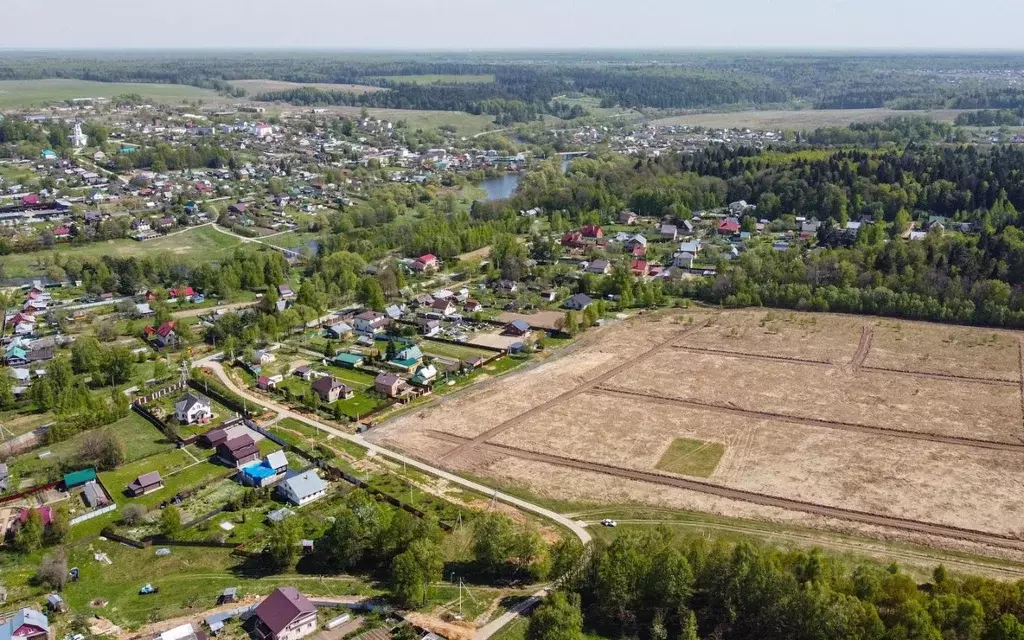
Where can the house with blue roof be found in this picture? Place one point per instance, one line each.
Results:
(260, 474)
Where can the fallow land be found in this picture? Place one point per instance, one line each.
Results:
(890, 428)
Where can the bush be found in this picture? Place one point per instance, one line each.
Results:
(132, 514)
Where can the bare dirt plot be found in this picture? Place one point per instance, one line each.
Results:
(265, 86)
(893, 401)
(951, 350)
(787, 334)
(495, 340)
(805, 119)
(923, 481)
(549, 320)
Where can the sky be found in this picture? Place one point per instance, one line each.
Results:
(514, 24)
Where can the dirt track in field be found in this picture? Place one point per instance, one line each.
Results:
(915, 526)
(627, 394)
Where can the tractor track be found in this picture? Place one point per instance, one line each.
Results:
(863, 348)
(997, 382)
(572, 393)
(751, 356)
(812, 422)
(850, 515)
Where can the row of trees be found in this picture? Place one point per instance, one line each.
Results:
(652, 585)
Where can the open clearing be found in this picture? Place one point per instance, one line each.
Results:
(199, 242)
(804, 119)
(28, 93)
(790, 417)
(261, 86)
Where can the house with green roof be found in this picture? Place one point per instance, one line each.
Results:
(408, 358)
(348, 360)
(78, 478)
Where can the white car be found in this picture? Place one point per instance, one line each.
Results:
(609, 523)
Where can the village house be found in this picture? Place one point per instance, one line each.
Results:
(238, 452)
(428, 327)
(303, 488)
(388, 384)
(330, 389)
(599, 266)
(516, 328)
(444, 307)
(285, 614)
(146, 483)
(577, 302)
(428, 262)
(627, 217)
(26, 624)
(265, 472)
(162, 336)
(370, 323)
(592, 231)
(668, 232)
(339, 331)
(193, 409)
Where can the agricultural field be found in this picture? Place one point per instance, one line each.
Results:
(30, 93)
(254, 87)
(778, 416)
(200, 243)
(798, 119)
(441, 79)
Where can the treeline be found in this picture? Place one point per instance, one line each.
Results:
(896, 130)
(651, 586)
(667, 80)
(992, 118)
(164, 157)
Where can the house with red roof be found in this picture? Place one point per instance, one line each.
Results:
(573, 240)
(639, 267)
(30, 199)
(184, 292)
(424, 263)
(162, 335)
(729, 227)
(592, 231)
(63, 232)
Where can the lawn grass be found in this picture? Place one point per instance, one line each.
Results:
(359, 405)
(177, 468)
(691, 457)
(201, 244)
(140, 439)
(28, 93)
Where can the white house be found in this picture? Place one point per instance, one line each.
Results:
(193, 408)
(303, 488)
(370, 323)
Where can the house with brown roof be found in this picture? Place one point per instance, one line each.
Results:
(388, 384)
(146, 483)
(237, 452)
(213, 438)
(285, 614)
(330, 389)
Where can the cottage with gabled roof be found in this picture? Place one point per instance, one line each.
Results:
(146, 483)
(301, 489)
(238, 452)
(193, 408)
(285, 614)
(331, 389)
(26, 624)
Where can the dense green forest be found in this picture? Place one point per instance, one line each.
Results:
(530, 81)
(649, 585)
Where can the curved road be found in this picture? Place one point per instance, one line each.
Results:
(578, 529)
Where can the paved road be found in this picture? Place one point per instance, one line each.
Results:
(578, 529)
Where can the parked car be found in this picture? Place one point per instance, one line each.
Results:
(609, 523)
